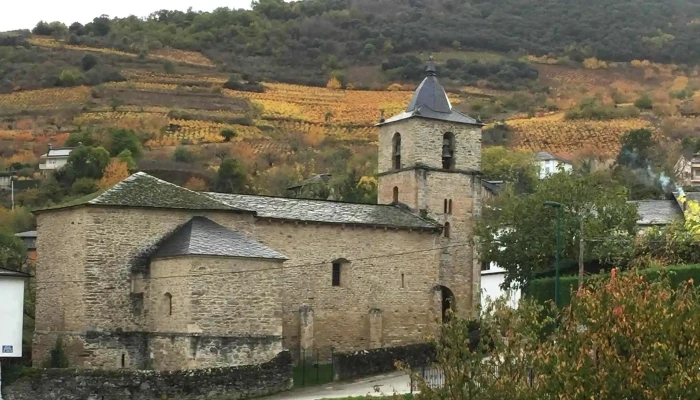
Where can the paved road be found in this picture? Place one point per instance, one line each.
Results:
(381, 385)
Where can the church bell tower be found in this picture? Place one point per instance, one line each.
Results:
(429, 160)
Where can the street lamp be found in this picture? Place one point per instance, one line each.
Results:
(557, 266)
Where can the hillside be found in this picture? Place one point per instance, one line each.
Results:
(178, 80)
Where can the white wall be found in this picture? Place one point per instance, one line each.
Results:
(491, 281)
(11, 316)
(550, 167)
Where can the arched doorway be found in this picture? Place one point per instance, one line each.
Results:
(447, 303)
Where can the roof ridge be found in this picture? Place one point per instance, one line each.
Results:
(417, 215)
(297, 199)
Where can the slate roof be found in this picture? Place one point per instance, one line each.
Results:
(326, 211)
(493, 186)
(544, 156)
(143, 190)
(58, 152)
(430, 101)
(13, 274)
(657, 212)
(203, 237)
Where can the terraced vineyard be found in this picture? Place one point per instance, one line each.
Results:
(556, 135)
(178, 56)
(43, 99)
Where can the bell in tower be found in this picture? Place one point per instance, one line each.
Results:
(448, 151)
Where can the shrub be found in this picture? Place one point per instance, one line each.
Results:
(251, 86)
(644, 102)
(542, 290)
(84, 186)
(181, 154)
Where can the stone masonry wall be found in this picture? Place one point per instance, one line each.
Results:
(372, 280)
(421, 143)
(380, 260)
(230, 383)
(219, 300)
(59, 281)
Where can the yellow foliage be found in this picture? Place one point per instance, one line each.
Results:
(679, 83)
(44, 98)
(334, 84)
(115, 172)
(196, 184)
(594, 63)
(394, 87)
(566, 137)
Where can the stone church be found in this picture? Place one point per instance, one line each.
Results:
(150, 275)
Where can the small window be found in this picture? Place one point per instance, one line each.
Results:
(403, 283)
(336, 273)
(123, 360)
(445, 208)
(169, 303)
(396, 194)
(485, 266)
(449, 207)
(396, 151)
(447, 230)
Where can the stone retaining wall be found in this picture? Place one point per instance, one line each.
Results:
(376, 361)
(230, 383)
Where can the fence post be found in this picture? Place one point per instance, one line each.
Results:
(303, 367)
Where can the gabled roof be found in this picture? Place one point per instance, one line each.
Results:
(62, 152)
(326, 211)
(544, 156)
(430, 101)
(657, 212)
(203, 237)
(143, 190)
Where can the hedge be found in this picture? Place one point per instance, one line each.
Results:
(542, 289)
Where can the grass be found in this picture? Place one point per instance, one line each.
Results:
(485, 57)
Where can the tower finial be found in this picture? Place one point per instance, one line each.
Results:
(430, 70)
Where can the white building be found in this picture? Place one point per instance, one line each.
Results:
(549, 164)
(492, 276)
(54, 159)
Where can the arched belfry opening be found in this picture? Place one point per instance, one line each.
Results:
(448, 151)
(395, 195)
(396, 151)
(447, 303)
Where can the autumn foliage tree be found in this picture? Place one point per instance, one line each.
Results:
(115, 172)
(622, 337)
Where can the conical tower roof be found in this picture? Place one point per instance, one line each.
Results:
(430, 101)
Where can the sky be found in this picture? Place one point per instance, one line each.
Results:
(24, 14)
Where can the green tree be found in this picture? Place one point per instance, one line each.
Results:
(115, 102)
(169, 67)
(515, 166)
(85, 138)
(12, 251)
(69, 77)
(126, 157)
(88, 62)
(181, 154)
(231, 177)
(228, 134)
(637, 148)
(84, 186)
(517, 231)
(124, 139)
(87, 162)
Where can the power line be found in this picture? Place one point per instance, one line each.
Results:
(317, 264)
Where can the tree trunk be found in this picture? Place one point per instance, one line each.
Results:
(580, 257)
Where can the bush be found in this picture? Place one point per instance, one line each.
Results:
(250, 86)
(644, 102)
(181, 154)
(542, 290)
(88, 62)
(593, 108)
(84, 186)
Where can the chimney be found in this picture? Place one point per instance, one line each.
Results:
(50, 146)
(381, 116)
